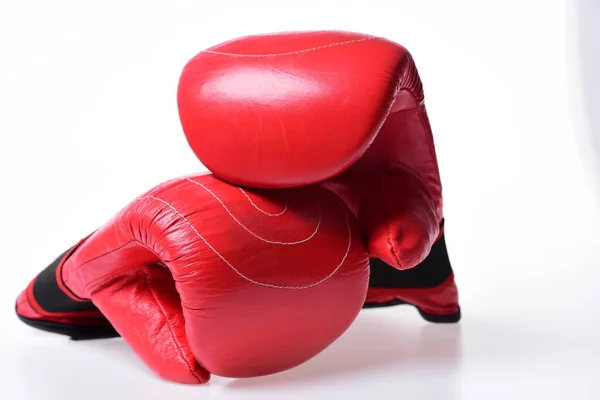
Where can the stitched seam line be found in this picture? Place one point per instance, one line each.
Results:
(102, 279)
(187, 222)
(254, 234)
(59, 273)
(105, 279)
(105, 254)
(171, 332)
(260, 209)
(327, 46)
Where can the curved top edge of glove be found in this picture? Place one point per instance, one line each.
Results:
(289, 109)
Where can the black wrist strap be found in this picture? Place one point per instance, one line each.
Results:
(52, 299)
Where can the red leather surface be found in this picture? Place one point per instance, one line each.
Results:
(201, 277)
(290, 109)
(439, 300)
(28, 308)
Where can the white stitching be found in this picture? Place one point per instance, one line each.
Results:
(260, 209)
(244, 276)
(291, 52)
(254, 234)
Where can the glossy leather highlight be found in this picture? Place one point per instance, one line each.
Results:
(341, 109)
(200, 276)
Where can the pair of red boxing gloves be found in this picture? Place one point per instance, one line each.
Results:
(324, 198)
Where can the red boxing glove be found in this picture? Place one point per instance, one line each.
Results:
(341, 109)
(199, 276)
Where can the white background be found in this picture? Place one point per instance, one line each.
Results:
(88, 121)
